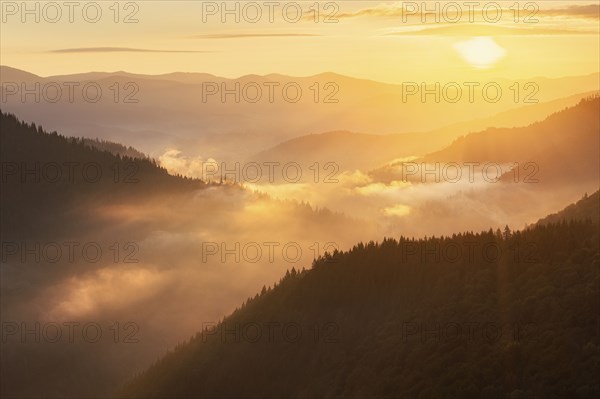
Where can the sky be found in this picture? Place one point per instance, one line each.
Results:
(383, 41)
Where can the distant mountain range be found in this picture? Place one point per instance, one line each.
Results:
(153, 113)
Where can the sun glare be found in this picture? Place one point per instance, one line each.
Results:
(480, 52)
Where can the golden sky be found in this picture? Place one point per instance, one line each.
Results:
(384, 41)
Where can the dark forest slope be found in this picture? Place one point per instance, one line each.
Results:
(45, 175)
(486, 315)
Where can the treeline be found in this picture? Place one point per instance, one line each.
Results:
(115, 148)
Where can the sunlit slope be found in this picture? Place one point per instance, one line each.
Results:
(350, 150)
(562, 149)
(587, 207)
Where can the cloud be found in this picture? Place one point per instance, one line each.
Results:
(107, 288)
(121, 50)
(397, 210)
(196, 167)
(251, 35)
(379, 11)
(591, 11)
(471, 30)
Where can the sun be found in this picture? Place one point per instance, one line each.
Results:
(481, 52)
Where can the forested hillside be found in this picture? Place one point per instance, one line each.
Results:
(496, 314)
(47, 174)
(586, 208)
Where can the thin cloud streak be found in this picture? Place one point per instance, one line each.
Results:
(251, 35)
(121, 50)
(591, 11)
(486, 30)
